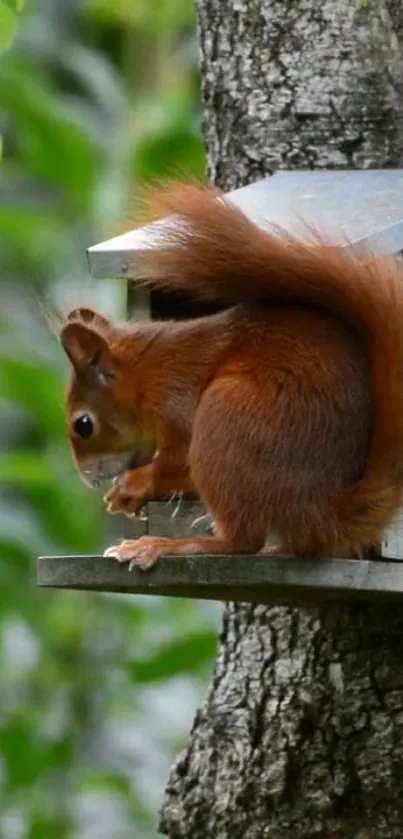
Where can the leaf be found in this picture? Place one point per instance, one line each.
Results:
(37, 389)
(53, 139)
(20, 529)
(8, 25)
(27, 754)
(57, 494)
(159, 155)
(183, 655)
(15, 5)
(148, 15)
(98, 76)
(25, 470)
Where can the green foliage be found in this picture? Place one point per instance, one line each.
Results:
(98, 691)
(9, 10)
(173, 658)
(146, 15)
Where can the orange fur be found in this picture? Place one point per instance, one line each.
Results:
(282, 412)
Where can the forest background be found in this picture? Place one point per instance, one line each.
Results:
(97, 692)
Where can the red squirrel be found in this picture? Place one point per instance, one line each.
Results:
(283, 412)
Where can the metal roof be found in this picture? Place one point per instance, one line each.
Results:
(357, 207)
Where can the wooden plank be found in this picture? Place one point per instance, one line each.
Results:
(130, 528)
(175, 518)
(253, 579)
(180, 517)
(138, 302)
(392, 542)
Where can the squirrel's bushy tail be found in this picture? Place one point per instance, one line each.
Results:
(212, 250)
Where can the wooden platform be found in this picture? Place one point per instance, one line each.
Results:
(253, 579)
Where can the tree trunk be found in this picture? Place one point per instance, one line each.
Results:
(301, 734)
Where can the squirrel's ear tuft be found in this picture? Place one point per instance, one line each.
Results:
(87, 350)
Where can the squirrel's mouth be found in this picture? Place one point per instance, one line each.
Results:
(98, 470)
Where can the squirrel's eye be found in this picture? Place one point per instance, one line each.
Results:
(84, 426)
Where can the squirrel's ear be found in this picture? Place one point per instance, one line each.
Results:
(87, 350)
(88, 316)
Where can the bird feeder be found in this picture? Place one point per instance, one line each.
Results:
(361, 209)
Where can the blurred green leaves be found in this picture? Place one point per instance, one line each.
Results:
(182, 655)
(15, 6)
(9, 10)
(95, 97)
(145, 15)
(8, 21)
(50, 136)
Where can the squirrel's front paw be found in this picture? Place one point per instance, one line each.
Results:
(143, 553)
(117, 500)
(127, 496)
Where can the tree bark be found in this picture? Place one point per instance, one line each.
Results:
(301, 734)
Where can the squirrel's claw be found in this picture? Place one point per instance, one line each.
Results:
(143, 553)
(118, 500)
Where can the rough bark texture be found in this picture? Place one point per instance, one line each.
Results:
(301, 734)
(300, 84)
